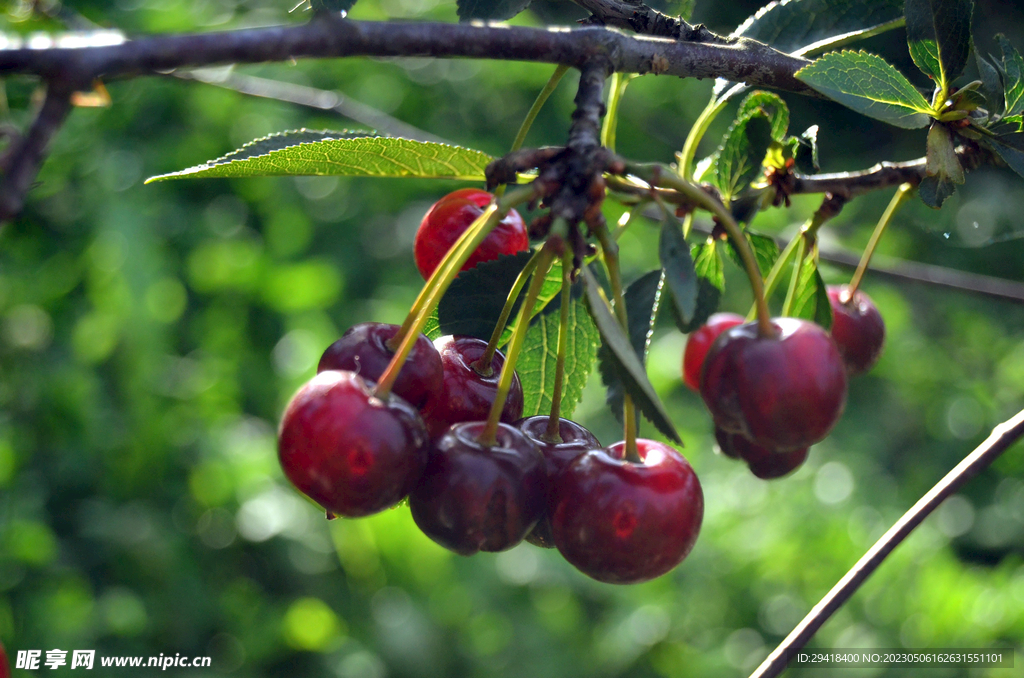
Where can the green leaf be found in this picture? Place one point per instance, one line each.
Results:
(678, 268)
(991, 84)
(935, 190)
(433, 328)
(621, 359)
(1009, 147)
(710, 269)
(869, 85)
(939, 36)
(342, 154)
(1013, 76)
(804, 150)
(811, 299)
(773, 105)
(766, 251)
(738, 160)
(473, 302)
(801, 25)
(548, 291)
(330, 5)
(643, 301)
(539, 357)
(495, 10)
(942, 161)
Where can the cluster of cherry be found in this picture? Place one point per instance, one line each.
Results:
(356, 451)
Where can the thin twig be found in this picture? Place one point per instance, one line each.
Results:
(1002, 437)
(26, 156)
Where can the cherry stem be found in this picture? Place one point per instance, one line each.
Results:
(903, 193)
(772, 281)
(610, 252)
(483, 364)
(658, 175)
(489, 436)
(551, 433)
(1002, 438)
(531, 115)
(616, 89)
(794, 281)
(442, 277)
(697, 132)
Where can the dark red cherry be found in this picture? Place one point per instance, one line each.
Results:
(451, 216)
(478, 498)
(763, 463)
(468, 395)
(857, 328)
(783, 392)
(622, 522)
(575, 440)
(349, 451)
(363, 350)
(5, 667)
(700, 341)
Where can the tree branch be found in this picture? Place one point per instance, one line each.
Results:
(638, 17)
(329, 36)
(22, 161)
(1001, 438)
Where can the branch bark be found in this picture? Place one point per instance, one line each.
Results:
(1001, 438)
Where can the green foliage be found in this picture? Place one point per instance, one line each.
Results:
(802, 25)
(772, 105)
(810, 300)
(710, 271)
(473, 302)
(738, 160)
(495, 10)
(766, 251)
(330, 5)
(1013, 77)
(868, 85)
(939, 36)
(678, 270)
(349, 154)
(536, 366)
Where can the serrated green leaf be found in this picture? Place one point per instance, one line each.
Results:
(935, 190)
(773, 105)
(811, 298)
(494, 10)
(677, 264)
(939, 37)
(1013, 76)
(548, 291)
(869, 85)
(342, 154)
(539, 357)
(473, 302)
(942, 161)
(765, 249)
(738, 160)
(621, 359)
(992, 84)
(1009, 147)
(643, 299)
(707, 261)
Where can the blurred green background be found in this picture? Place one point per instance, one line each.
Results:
(151, 335)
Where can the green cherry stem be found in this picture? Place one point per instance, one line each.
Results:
(442, 277)
(697, 132)
(657, 175)
(904, 192)
(483, 365)
(488, 437)
(794, 281)
(551, 433)
(616, 89)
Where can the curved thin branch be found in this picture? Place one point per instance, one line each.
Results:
(1001, 438)
(329, 36)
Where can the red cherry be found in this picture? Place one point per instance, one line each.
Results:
(362, 349)
(451, 216)
(700, 341)
(349, 451)
(576, 440)
(477, 498)
(763, 463)
(468, 395)
(783, 392)
(857, 328)
(622, 522)
(5, 667)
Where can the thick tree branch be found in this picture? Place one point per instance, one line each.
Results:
(638, 17)
(328, 36)
(1003, 436)
(22, 161)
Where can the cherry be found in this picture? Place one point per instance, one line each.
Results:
(473, 497)
(450, 216)
(363, 349)
(576, 440)
(700, 341)
(350, 451)
(623, 522)
(763, 463)
(468, 394)
(857, 328)
(783, 392)
(5, 668)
